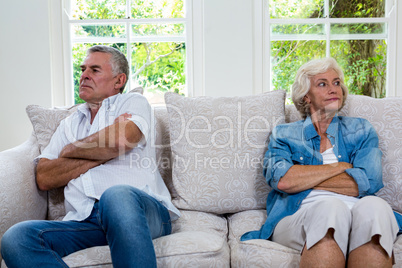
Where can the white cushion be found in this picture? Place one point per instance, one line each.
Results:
(218, 144)
(386, 117)
(45, 122)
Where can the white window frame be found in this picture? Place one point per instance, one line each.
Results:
(262, 22)
(62, 40)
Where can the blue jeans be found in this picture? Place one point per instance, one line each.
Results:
(125, 218)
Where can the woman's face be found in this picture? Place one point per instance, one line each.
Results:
(325, 94)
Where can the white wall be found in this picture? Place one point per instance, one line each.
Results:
(228, 47)
(24, 66)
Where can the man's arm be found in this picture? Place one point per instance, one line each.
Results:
(79, 157)
(106, 144)
(58, 172)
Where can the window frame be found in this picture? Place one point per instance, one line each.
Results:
(62, 41)
(262, 17)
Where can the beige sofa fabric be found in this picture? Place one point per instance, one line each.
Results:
(217, 149)
(198, 240)
(205, 236)
(386, 117)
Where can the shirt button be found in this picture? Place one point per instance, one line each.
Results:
(339, 156)
(301, 158)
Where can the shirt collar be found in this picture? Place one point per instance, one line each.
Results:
(310, 132)
(106, 104)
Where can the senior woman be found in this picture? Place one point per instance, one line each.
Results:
(324, 171)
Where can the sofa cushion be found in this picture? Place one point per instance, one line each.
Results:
(385, 115)
(198, 239)
(45, 122)
(217, 148)
(256, 252)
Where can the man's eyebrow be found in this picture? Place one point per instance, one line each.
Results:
(91, 66)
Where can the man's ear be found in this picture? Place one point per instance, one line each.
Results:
(121, 80)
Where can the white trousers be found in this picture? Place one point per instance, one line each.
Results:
(353, 228)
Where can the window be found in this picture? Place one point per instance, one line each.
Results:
(151, 33)
(355, 32)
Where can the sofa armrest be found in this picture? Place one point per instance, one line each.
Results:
(20, 198)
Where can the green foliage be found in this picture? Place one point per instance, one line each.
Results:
(157, 66)
(363, 61)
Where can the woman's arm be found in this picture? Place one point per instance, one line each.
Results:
(331, 177)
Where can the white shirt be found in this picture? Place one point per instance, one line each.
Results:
(137, 167)
(329, 158)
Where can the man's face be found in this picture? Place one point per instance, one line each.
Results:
(97, 81)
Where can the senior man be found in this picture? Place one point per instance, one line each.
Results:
(107, 200)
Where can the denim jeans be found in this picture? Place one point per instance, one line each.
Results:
(125, 218)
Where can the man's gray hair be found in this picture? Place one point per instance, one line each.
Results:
(118, 61)
(302, 83)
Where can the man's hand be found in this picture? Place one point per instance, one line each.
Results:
(122, 118)
(110, 142)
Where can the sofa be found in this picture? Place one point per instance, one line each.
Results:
(209, 152)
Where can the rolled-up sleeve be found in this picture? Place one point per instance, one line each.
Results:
(277, 160)
(366, 161)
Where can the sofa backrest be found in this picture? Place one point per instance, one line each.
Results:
(384, 114)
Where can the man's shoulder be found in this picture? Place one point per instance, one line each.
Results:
(131, 95)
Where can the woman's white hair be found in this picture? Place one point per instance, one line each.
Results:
(302, 83)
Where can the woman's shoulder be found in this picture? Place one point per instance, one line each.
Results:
(354, 121)
(289, 126)
(355, 125)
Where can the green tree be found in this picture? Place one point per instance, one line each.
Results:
(156, 66)
(363, 61)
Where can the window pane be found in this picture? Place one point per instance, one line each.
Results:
(358, 28)
(364, 63)
(288, 56)
(357, 8)
(281, 29)
(98, 9)
(99, 30)
(143, 9)
(296, 9)
(158, 68)
(78, 55)
(166, 29)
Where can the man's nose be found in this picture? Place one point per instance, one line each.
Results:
(85, 75)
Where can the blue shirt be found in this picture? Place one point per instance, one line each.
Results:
(354, 141)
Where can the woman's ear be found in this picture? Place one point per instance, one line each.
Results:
(306, 99)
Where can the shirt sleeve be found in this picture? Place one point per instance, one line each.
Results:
(58, 141)
(277, 160)
(366, 161)
(140, 110)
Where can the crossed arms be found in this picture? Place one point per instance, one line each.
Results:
(330, 177)
(79, 157)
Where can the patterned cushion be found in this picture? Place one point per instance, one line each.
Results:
(217, 148)
(386, 117)
(257, 252)
(198, 240)
(45, 122)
